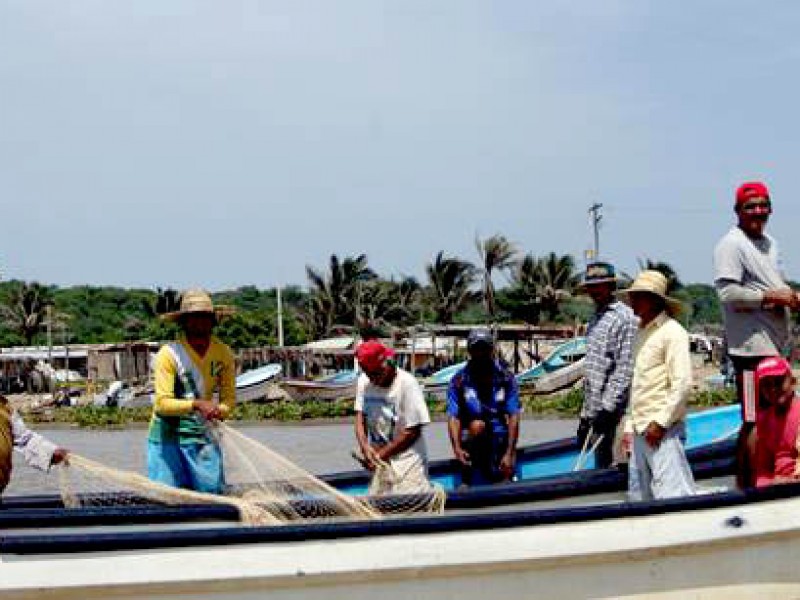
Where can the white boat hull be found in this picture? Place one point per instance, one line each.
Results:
(746, 551)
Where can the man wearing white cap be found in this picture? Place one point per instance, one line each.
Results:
(195, 382)
(655, 428)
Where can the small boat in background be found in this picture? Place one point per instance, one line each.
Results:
(563, 355)
(346, 376)
(314, 389)
(257, 384)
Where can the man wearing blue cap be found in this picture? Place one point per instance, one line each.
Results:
(609, 362)
(483, 414)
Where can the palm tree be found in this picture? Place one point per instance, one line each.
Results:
(556, 282)
(25, 308)
(520, 299)
(496, 253)
(388, 303)
(539, 287)
(336, 295)
(450, 280)
(166, 301)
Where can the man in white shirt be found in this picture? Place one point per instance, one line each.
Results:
(37, 451)
(756, 301)
(390, 414)
(655, 428)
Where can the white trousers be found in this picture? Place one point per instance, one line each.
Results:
(661, 472)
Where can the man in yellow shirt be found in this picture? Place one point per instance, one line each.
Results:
(194, 383)
(655, 429)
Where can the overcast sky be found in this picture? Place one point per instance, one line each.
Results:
(176, 143)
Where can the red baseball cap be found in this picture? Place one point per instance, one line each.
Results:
(751, 189)
(773, 366)
(372, 355)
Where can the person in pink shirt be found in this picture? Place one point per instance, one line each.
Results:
(777, 422)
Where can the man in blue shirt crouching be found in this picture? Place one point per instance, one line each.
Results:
(483, 414)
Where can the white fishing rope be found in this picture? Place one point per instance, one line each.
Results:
(584, 455)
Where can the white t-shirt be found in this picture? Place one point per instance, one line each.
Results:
(388, 411)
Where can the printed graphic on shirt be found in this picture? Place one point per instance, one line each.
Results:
(381, 419)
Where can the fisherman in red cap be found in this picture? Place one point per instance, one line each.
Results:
(756, 302)
(390, 414)
(777, 422)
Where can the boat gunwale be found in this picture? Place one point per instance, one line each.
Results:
(103, 542)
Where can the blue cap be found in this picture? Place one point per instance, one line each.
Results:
(480, 336)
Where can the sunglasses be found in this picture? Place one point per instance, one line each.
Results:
(756, 205)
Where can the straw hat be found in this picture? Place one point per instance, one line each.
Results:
(656, 283)
(198, 301)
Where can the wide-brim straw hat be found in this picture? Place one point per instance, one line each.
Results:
(656, 283)
(197, 301)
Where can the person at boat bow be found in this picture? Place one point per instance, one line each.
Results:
(756, 302)
(38, 452)
(608, 365)
(194, 385)
(390, 415)
(777, 423)
(483, 412)
(655, 428)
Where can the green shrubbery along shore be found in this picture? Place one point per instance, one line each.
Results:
(563, 405)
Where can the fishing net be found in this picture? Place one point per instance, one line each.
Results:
(265, 488)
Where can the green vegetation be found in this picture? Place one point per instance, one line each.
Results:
(563, 405)
(346, 295)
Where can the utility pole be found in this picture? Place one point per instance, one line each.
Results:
(594, 210)
(280, 318)
(49, 312)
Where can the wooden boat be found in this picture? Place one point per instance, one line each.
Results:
(556, 380)
(201, 552)
(544, 471)
(561, 368)
(723, 545)
(300, 389)
(563, 355)
(257, 384)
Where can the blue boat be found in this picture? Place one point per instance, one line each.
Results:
(446, 374)
(561, 356)
(545, 471)
(345, 376)
(704, 429)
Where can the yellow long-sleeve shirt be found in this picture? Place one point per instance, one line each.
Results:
(173, 414)
(662, 375)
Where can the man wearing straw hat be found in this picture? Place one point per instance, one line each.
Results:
(194, 384)
(609, 363)
(655, 428)
(756, 302)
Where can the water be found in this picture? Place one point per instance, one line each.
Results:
(322, 448)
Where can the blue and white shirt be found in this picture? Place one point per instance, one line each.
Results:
(465, 403)
(608, 367)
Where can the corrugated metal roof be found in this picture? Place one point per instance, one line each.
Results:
(337, 343)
